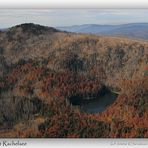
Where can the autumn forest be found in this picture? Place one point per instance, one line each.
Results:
(58, 84)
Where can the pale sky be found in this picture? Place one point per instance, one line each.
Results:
(68, 17)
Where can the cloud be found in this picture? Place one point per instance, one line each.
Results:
(65, 17)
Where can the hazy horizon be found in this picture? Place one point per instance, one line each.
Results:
(75, 24)
(72, 17)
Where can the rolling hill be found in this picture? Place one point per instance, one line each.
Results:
(133, 30)
(46, 73)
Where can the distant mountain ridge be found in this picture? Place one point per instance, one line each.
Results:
(132, 30)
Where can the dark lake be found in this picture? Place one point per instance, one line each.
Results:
(96, 105)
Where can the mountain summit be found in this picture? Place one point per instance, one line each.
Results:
(32, 28)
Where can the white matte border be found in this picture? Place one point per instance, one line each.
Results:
(101, 4)
(73, 4)
(76, 143)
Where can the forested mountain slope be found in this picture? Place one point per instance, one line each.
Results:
(43, 70)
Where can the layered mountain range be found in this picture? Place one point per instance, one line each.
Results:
(133, 30)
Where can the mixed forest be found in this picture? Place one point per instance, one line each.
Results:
(45, 73)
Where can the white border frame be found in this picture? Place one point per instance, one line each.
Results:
(74, 4)
(69, 4)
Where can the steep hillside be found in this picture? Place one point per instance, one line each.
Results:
(46, 72)
(118, 57)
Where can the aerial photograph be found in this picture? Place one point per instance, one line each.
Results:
(73, 73)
